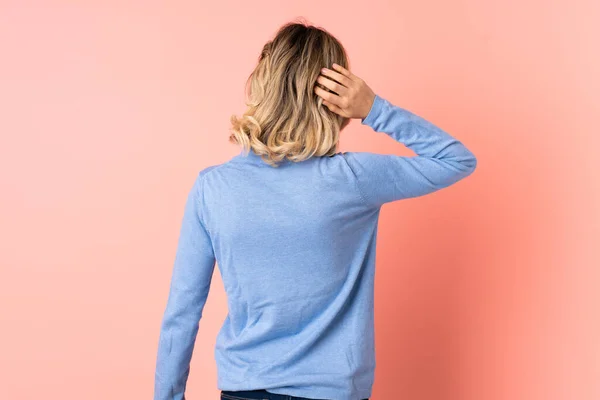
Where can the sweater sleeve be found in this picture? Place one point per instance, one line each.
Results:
(190, 282)
(441, 159)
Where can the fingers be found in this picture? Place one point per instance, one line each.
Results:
(328, 79)
(328, 96)
(332, 85)
(343, 79)
(333, 107)
(345, 72)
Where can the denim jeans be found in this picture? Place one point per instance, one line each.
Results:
(258, 395)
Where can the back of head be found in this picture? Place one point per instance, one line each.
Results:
(285, 118)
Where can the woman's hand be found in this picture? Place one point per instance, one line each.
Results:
(352, 97)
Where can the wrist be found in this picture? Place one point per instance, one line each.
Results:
(370, 109)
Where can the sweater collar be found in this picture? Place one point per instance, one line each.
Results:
(254, 158)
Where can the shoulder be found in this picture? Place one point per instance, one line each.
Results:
(207, 170)
(202, 174)
(358, 160)
(346, 164)
(343, 161)
(221, 167)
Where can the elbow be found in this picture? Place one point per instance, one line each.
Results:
(469, 163)
(473, 164)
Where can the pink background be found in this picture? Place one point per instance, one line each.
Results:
(109, 109)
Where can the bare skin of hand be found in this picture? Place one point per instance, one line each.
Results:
(353, 98)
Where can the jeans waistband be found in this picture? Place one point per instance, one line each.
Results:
(260, 394)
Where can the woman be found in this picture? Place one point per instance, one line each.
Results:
(292, 225)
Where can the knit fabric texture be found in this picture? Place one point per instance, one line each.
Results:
(295, 247)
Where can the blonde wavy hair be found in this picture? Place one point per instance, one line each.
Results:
(285, 118)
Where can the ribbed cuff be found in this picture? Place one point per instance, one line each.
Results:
(373, 112)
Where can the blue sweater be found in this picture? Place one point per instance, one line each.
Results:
(295, 246)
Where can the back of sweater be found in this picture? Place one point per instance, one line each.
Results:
(295, 246)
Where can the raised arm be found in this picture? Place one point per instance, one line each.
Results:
(441, 159)
(190, 283)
